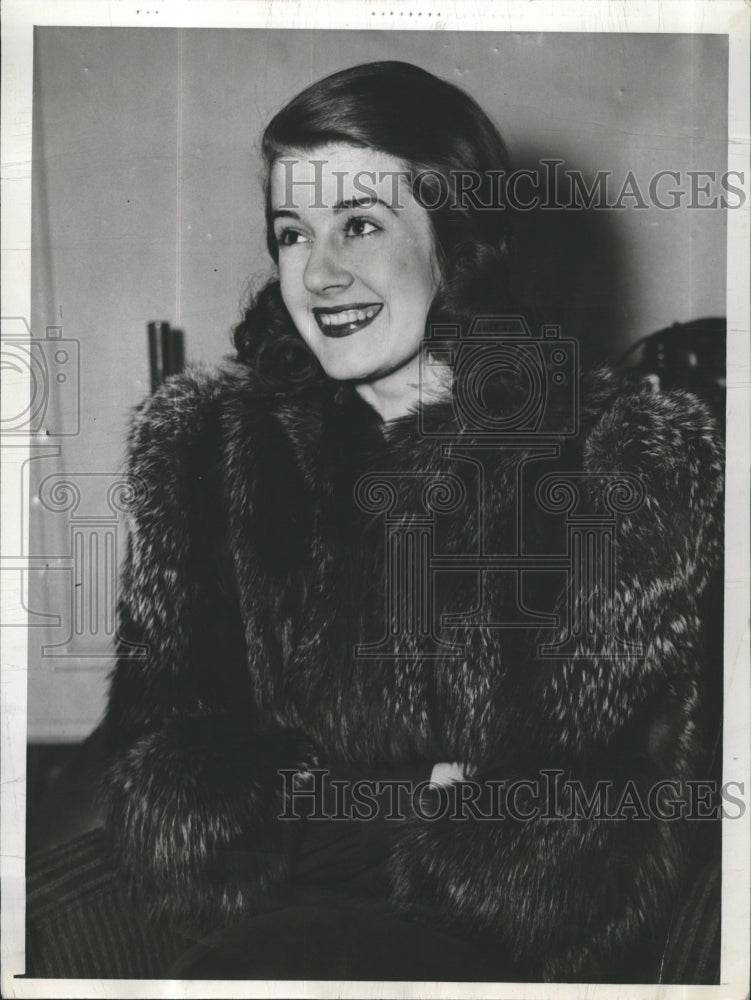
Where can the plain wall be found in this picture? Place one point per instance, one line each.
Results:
(147, 206)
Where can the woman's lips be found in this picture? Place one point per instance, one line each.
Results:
(341, 321)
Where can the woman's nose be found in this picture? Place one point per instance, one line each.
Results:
(325, 270)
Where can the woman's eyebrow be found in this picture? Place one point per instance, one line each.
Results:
(340, 206)
(284, 213)
(366, 202)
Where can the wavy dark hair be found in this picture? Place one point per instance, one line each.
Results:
(441, 134)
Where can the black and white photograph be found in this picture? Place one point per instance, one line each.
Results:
(375, 461)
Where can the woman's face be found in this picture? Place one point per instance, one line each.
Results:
(357, 265)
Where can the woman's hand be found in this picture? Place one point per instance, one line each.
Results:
(447, 774)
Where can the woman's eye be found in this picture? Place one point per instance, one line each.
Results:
(361, 227)
(289, 237)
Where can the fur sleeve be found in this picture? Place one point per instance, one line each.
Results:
(579, 897)
(191, 800)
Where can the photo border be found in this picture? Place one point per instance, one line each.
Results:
(731, 17)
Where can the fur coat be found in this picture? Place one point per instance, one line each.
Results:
(255, 595)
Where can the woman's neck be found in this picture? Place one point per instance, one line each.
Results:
(401, 392)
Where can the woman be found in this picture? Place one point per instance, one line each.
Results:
(280, 503)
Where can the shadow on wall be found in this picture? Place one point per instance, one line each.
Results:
(573, 270)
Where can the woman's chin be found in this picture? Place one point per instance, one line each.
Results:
(344, 370)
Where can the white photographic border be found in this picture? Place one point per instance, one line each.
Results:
(733, 18)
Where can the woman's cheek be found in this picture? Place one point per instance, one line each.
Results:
(291, 287)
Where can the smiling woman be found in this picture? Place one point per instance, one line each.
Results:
(357, 274)
(404, 542)
(382, 180)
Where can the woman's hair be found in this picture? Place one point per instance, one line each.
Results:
(456, 159)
